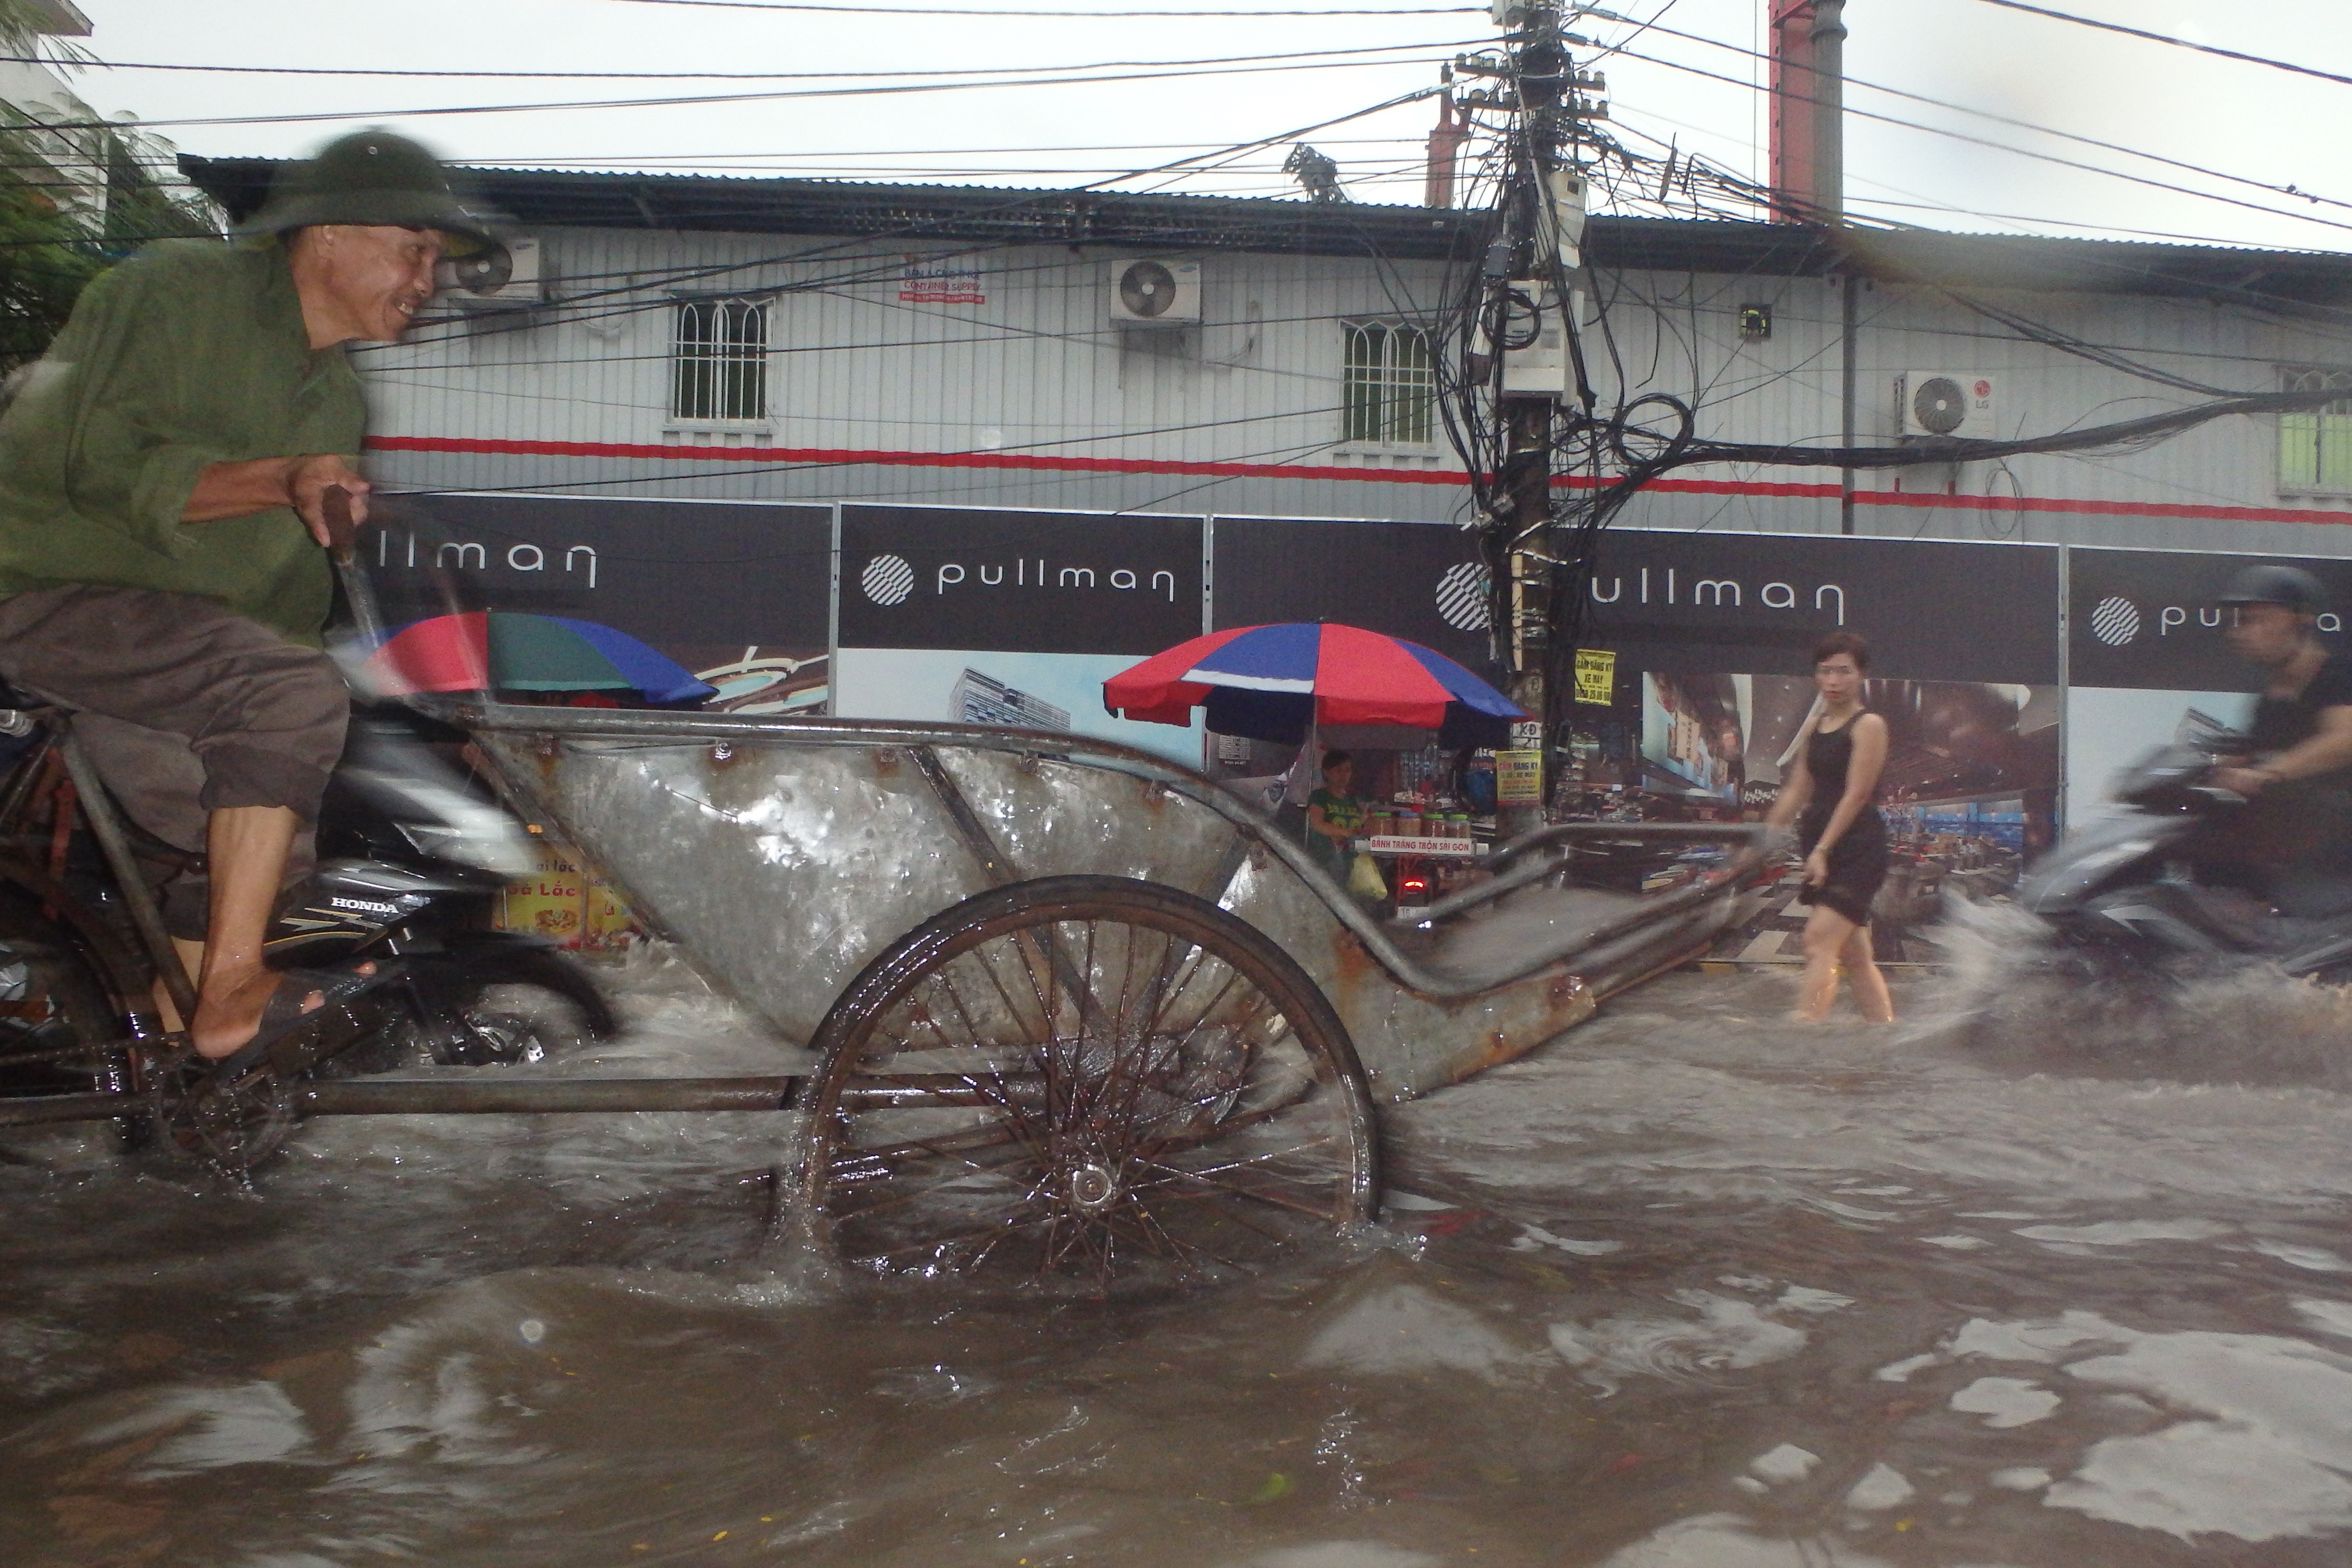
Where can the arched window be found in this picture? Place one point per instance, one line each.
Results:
(723, 360)
(1388, 388)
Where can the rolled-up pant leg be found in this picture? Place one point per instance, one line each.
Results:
(185, 708)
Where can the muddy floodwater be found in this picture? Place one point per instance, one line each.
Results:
(1691, 1288)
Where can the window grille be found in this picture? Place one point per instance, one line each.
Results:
(2315, 445)
(723, 360)
(1389, 386)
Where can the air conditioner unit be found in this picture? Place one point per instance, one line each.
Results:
(505, 274)
(1943, 403)
(1165, 291)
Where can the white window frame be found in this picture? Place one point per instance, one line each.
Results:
(2315, 448)
(716, 355)
(1382, 423)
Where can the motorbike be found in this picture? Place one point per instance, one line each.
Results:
(411, 852)
(2160, 884)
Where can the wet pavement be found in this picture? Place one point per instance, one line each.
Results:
(1691, 1287)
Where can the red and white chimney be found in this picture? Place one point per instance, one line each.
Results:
(1808, 109)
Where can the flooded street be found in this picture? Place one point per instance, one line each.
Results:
(1691, 1287)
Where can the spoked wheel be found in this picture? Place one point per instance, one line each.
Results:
(235, 1128)
(1080, 1083)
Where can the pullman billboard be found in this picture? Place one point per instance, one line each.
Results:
(2147, 644)
(739, 593)
(1931, 611)
(1416, 581)
(1012, 618)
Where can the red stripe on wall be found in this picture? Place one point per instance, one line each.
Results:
(847, 457)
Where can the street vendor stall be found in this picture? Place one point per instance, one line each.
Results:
(1311, 683)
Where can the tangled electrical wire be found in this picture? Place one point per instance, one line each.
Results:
(1594, 460)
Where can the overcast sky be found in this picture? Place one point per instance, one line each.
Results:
(2249, 120)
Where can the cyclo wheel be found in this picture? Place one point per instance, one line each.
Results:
(1083, 1081)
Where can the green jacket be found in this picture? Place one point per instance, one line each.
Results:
(192, 354)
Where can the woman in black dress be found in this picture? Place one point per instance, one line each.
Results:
(1831, 792)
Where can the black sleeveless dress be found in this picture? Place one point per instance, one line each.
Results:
(1858, 859)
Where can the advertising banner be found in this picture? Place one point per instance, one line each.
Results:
(737, 593)
(1759, 603)
(1013, 618)
(2147, 619)
(2148, 646)
(1416, 581)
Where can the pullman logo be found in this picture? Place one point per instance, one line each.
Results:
(1461, 595)
(2115, 621)
(887, 580)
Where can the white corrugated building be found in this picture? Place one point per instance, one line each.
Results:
(783, 339)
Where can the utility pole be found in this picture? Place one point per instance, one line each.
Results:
(1533, 309)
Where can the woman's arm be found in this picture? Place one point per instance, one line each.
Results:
(1322, 825)
(1861, 778)
(1796, 789)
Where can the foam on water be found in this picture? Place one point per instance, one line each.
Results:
(1407, 1329)
(1725, 1335)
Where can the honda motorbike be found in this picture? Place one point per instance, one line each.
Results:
(2159, 884)
(411, 851)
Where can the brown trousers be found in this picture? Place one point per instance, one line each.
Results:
(183, 708)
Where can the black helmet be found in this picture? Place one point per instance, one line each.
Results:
(2293, 587)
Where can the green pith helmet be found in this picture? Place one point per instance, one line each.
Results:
(370, 177)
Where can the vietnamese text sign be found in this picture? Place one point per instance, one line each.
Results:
(1596, 676)
(1518, 778)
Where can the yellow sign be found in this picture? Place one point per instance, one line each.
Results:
(1596, 676)
(1518, 778)
(568, 904)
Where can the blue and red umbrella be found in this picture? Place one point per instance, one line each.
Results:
(1271, 682)
(507, 650)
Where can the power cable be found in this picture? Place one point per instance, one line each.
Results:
(1983, 114)
(2169, 39)
(2007, 147)
(712, 76)
(1069, 16)
(711, 99)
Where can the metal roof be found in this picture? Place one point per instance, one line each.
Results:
(540, 198)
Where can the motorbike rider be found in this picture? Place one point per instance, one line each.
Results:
(2295, 834)
(162, 514)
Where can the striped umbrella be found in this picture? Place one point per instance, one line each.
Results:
(1270, 682)
(508, 650)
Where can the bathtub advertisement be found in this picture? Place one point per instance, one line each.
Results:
(1012, 619)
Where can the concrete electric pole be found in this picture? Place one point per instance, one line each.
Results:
(1533, 309)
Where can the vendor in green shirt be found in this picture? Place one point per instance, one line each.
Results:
(161, 523)
(1334, 816)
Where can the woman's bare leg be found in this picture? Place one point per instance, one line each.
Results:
(1869, 985)
(1826, 932)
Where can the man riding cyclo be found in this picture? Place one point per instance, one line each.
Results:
(164, 529)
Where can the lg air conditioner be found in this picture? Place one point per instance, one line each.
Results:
(507, 274)
(1162, 291)
(1933, 405)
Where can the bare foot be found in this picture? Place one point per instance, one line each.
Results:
(229, 1011)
